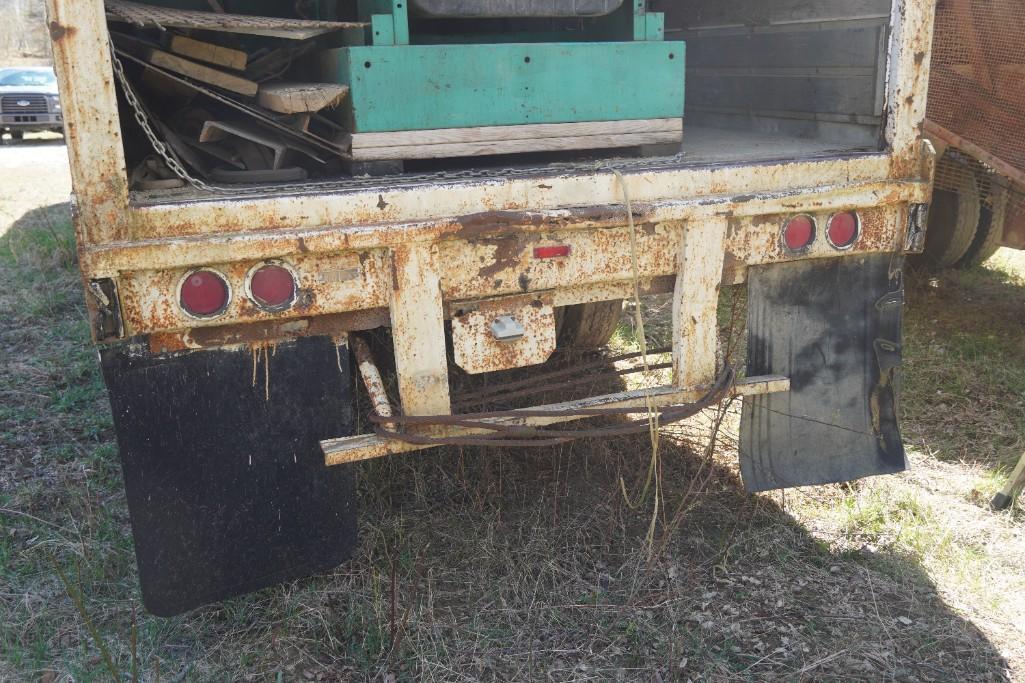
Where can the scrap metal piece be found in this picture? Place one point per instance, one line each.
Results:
(218, 131)
(164, 17)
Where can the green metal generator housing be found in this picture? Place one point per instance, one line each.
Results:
(497, 85)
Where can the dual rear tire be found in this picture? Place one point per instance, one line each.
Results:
(966, 219)
(586, 327)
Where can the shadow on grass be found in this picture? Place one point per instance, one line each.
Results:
(965, 365)
(474, 564)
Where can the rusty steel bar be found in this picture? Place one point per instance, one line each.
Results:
(368, 446)
(372, 379)
(512, 434)
(561, 384)
(504, 388)
(967, 146)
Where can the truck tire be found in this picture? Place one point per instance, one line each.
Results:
(585, 327)
(953, 216)
(990, 231)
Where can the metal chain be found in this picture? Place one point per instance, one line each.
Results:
(142, 117)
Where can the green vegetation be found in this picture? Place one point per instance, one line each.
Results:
(529, 565)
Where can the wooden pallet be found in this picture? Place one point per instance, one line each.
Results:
(545, 137)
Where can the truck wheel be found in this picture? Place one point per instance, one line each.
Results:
(585, 327)
(954, 214)
(990, 230)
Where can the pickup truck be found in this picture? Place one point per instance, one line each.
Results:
(29, 102)
(245, 331)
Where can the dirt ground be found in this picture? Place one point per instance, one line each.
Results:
(531, 565)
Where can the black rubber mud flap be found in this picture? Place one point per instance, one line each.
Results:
(834, 327)
(227, 488)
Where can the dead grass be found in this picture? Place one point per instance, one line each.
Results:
(529, 565)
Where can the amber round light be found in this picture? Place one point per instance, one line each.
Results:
(272, 286)
(843, 229)
(204, 293)
(799, 232)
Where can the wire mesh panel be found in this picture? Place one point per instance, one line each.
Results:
(976, 93)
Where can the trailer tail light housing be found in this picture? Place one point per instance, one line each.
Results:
(798, 233)
(272, 286)
(843, 229)
(204, 293)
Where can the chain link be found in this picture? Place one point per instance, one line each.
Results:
(142, 117)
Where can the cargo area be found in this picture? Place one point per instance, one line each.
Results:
(330, 95)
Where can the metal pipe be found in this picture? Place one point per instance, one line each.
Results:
(372, 380)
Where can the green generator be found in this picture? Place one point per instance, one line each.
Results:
(455, 78)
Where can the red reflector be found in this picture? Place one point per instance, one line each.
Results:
(272, 286)
(204, 293)
(556, 251)
(799, 232)
(843, 229)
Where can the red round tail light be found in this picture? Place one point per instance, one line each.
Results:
(799, 232)
(843, 229)
(272, 287)
(204, 294)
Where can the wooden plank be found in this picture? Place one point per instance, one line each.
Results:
(202, 73)
(515, 146)
(534, 131)
(164, 17)
(208, 52)
(301, 98)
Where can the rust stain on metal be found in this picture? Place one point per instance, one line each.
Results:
(488, 223)
(507, 253)
(326, 284)
(58, 31)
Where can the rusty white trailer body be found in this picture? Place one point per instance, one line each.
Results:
(414, 252)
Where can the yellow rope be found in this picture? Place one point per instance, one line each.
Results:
(642, 341)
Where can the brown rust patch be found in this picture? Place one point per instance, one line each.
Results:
(488, 223)
(277, 331)
(59, 31)
(507, 253)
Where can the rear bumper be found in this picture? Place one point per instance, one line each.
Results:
(31, 122)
